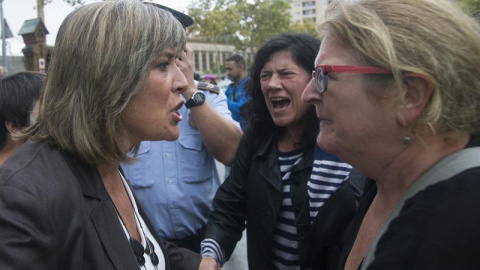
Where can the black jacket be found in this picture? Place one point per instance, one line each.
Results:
(55, 213)
(253, 195)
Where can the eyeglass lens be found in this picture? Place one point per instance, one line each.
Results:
(320, 79)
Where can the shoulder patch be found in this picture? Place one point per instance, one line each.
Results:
(208, 87)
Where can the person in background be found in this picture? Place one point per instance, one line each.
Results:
(397, 90)
(271, 184)
(113, 81)
(18, 108)
(197, 76)
(175, 181)
(210, 78)
(236, 71)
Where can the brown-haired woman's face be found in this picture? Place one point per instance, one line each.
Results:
(282, 82)
(153, 113)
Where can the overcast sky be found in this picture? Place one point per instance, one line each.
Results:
(17, 11)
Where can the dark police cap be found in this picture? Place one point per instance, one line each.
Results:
(184, 19)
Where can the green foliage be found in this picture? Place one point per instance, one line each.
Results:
(307, 27)
(469, 6)
(246, 24)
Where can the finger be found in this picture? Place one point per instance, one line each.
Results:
(188, 51)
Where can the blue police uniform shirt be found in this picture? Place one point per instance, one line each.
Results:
(175, 182)
(237, 96)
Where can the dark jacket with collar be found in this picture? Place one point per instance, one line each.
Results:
(55, 213)
(253, 195)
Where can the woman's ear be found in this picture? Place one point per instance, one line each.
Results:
(418, 91)
(10, 127)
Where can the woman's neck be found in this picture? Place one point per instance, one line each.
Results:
(117, 191)
(290, 140)
(110, 176)
(414, 161)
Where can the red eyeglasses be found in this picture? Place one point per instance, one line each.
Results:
(321, 79)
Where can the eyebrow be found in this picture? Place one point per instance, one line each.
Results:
(168, 55)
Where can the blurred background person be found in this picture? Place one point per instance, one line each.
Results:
(197, 76)
(397, 92)
(269, 187)
(175, 181)
(210, 78)
(18, 98)
(113, 82)
(236, 71)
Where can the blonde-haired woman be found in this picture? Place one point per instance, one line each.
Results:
(397, 90)
(114, 80)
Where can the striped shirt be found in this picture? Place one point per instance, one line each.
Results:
(328, 174)
(285, 243)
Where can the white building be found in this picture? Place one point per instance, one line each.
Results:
(210, 57)
(312, 10)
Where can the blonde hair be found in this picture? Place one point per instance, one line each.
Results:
(430, 37)
(102, 58)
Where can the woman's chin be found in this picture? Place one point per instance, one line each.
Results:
(325, 144)
(173, 136)
(170, 135)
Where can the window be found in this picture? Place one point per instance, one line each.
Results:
(197, 60)
(204, 61)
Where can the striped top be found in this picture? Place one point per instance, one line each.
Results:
(285, 243)
(328, 174)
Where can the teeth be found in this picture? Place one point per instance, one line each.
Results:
(278, 99)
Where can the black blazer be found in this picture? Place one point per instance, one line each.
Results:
(252, 195)
(55, 213)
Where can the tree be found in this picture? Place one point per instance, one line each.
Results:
(246, 24)
(41, 4)
(307, 27)
(469, 6)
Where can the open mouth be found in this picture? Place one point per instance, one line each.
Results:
(279, 102)
(178, 115)
(179, 106)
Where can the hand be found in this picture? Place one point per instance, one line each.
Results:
(185, 64)
(208, 263)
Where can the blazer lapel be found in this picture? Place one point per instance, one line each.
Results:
(103, 214)
(112, 236)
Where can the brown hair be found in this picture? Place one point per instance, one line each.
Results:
(102, 57)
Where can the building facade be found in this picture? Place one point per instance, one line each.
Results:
(302, 10)
(210, 57)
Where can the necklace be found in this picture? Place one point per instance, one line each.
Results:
(136, 246)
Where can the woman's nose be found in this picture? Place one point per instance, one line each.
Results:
(180, 84)
(310, 94)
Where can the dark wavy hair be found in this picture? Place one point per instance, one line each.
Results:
(304, 49)
(18, 94)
